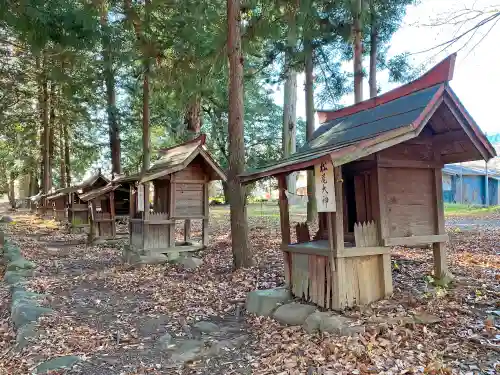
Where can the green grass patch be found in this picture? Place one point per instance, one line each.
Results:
(263, 209)
(457, 209)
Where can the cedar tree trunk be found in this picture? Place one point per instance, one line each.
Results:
(40, 116)
(373, 52)
(46, 130)
(12, 192)
(309, 91)
(290, 98)
(358, 52)
(62, 165)
(242, 256)
(52, 127)
(146, 143)
(192, 118)
(67, 160)
(109, 78)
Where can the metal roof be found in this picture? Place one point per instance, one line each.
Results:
(367, 124)
(457, 169)
(378, 123)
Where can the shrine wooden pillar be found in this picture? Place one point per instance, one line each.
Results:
(439, 248)
(335, 222)
(112, 213)
(206, 215)
(284, 224)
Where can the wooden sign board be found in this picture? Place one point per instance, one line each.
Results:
(325, 186)
(140, 198)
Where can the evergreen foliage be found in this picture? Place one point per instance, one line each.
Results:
(72, 48)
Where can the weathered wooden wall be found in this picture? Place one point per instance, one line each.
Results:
(60, 209)
(406, 178)
(356, 280)
(192, 172)
(189, 200)
(136, 229)
(409, 203)
(79, 214)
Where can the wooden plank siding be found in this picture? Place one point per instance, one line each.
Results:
(189, 200)
(356, 280)
(409, 201)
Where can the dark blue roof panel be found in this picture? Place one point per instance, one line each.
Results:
(369, 123)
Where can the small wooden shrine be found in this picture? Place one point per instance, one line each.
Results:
(378, 182)
(78, 211)
(59, 202)
(102, 214)
(179, 182)
(123, 194)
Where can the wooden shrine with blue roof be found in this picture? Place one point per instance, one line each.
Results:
(386, 155)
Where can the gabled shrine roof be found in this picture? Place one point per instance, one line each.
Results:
(88, 182)
(176, 158)
(98, 192)
(370, 126)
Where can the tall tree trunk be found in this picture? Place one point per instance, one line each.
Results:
(31, 187)
(38, 66)
(12, 191)
(67, 160)
(66, 141)
(225, 190)
(358, 51)
(146, 143)
(109, 77)
(290, 97)
(52, 127)
(242, 256)
(46, 129)
(192, 118)
(309, 91)
(62, 165)
(373, 51)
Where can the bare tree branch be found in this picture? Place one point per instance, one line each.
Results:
(470, 32)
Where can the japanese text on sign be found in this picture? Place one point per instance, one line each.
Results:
(140, 198)
(325, 186)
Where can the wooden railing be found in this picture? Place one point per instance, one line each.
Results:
(366, 234)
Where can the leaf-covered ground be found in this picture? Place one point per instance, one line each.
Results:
(112, 315)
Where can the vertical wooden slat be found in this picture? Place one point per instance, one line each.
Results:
(339, 214)
(375, 201)
(313, 276)
(328, 270)
(322, 280)
(285, 227)
(293, 274)
(387, 275)
(187, 230)
(438, 193)
(330, 220)
(439, 248)
(362, 273)
(206, 213)
(287, 268)
(94, 227)
(284, 213)
(382, 203)
(112, 213)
